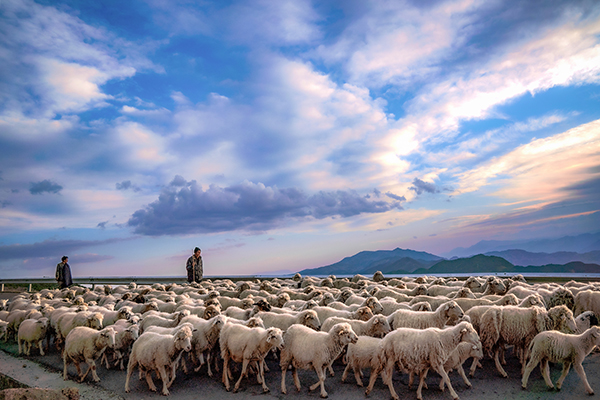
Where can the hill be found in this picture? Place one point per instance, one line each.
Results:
(584, 243)
(368, 262)
(523, 258)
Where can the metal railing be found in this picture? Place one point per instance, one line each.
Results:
(114, 280)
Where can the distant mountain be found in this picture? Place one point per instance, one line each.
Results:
(523, 258)
(584, 243)
(476, 264)
(368, 262)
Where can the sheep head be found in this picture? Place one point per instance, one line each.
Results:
(275, 337)
(344, 333)
(363, 314)
(310, 319)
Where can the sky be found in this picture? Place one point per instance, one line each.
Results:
(289, 134)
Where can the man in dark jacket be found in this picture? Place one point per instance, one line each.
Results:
(194, 266)
(63, 273)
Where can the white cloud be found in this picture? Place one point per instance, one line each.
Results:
(540, 169)
(144, 148)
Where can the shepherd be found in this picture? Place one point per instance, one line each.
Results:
(194, 266)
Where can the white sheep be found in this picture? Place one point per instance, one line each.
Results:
(362, 313)
(68, 321)
(362, 354)
(284, 321)
(418, 350)
(555, 347)
(587, 300)
(32, 331)
(305, 348)
(459, 355)
(204, 337)
(426, 319)
(585, 321)
(4, 330)
(377, 326)
(242, 344)
(156, 352)
(518, 326)
(84, 344)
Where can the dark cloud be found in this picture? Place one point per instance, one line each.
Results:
(5, 203)
(395, 196)
(421, 187)
(246, 206)
(178, 181)
(44, 186)
(125, 185)
(102, 225)
(49, 248)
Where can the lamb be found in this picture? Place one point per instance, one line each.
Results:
(518, 326)
(459, 355)
(377, 326)
(567, 349)
(86, 344)
(418, 350)
(32, 331)
(362, 354)
(426, 319)
(243, 344)
(124, 338)
(305, 348)
(156, 352)
(110, 317)
(308, 318)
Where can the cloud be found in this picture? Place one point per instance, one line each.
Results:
(395, 196)
(125, 185)
(421, 187)
(245, 207)
(102, 225)
(49, 248)
(45, 186)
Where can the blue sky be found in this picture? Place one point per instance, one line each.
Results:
(283, 135)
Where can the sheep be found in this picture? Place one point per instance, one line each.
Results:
(426, 319)
(467, 303)
(361, 354)
(110, 317)
(305, 348)
(32, 331)
(518, 326)
(558, 296)
(156, 352)
(204, 337)
(4, 330)
(458, 356)
(377, 326)
(363, 313)
(124, 338)
(68, 321)
(586, 320)
(552, 346)
(587, 300)
(155, 320)
(308, 318)
(242, 344)
(86, 344)
(418, 350)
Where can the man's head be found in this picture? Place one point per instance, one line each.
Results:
(65, 259)
(197, 252)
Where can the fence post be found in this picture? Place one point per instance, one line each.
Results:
(30, 288)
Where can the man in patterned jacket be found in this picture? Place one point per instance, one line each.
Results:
(194, 266)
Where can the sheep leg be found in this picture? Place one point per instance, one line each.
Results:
(461, 371)
(345, 373)
(200, 358)
(581, 372)
(41, 346)
(245, 362)
(565, 371)
(387, 377)
(165, 379)
(498, 365)
(261, 373)
(545, 369)
(474, 366)
(65, 374)
(440, 370)
(330, 368)
(283, 372)
(225, 378)
(321, 374)
(20, 346)
(374, 373)
(530, 367)
(149, 381)
(296, 379)
(208, 365)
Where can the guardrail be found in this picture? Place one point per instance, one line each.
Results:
(115, 280)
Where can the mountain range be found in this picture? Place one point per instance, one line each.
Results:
(500, 256)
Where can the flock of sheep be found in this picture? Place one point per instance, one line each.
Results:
(411, 325)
